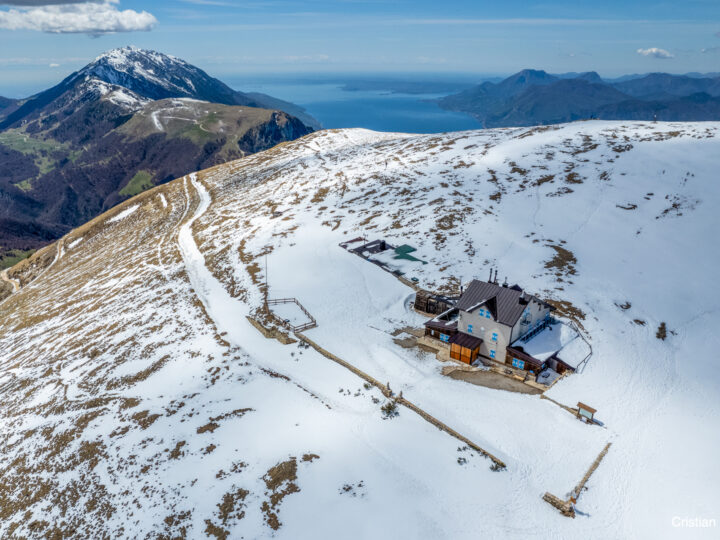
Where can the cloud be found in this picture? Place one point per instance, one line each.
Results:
(40, 2)
(656, 53)
(93, 18)
(54, 65)
(710, 50)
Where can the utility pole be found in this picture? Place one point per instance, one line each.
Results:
(267, 292)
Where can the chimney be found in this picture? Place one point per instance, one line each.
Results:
(495, 280)
(505, 283)
(490, 278)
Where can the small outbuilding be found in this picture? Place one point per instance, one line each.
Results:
(586, 412)
(433, 303)
(465, 347)
(444, 326)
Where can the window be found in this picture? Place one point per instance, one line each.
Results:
(469, 329)
(487, 314)
(494, 336)
(444, 337)
(492, 353)
(481, 312)
(520, 364)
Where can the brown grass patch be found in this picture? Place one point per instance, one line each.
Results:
(144, 419)
(320, 195)
(232, 505)
(563, 262)
(280, 481)
(176, 452)
(565, 308)
(544, 180)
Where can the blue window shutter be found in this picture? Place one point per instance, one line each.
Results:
(487, 315)
(492, 353)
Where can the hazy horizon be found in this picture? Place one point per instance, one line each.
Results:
(9, 88)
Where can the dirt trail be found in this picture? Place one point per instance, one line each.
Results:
(14, 282)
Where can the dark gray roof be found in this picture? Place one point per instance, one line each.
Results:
(466, 340)
(506, 304)
(443, 326)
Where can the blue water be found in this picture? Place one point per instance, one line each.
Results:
(376, 110)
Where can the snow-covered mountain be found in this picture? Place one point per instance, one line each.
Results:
(66, 156)
(158, 76)
(142, 75)
(139, 401)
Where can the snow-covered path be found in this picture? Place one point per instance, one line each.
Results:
(156, 121)
(228, 314)
(335, 422)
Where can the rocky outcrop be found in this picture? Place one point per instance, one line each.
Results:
(281, 127)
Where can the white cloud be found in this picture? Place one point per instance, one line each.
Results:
(710, 50)
(54, 65)
(656, 53)
(41, 2)
(36, 3)
(93, 18)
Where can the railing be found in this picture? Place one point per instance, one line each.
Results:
(582, 365)
(299, 328)
(535, 331)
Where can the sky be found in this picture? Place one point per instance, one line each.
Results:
(42, 41)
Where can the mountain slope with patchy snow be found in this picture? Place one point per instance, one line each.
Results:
(140, 399)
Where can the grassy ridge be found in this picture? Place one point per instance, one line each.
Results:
(137, 184)
(12, 257)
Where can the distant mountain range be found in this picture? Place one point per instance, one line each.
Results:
(128, 121)
(534, 97)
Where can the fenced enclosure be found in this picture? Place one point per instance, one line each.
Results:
(285, 321)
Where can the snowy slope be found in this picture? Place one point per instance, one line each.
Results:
(139, 398)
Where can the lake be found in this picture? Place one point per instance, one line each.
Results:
(379, 110)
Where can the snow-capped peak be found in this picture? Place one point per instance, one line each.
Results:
(125, 58)
(155, 75)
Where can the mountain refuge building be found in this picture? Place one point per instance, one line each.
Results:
(493, 323)
(491, 317)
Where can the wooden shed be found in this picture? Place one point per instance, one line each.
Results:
(433, 304)
(465, 347)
